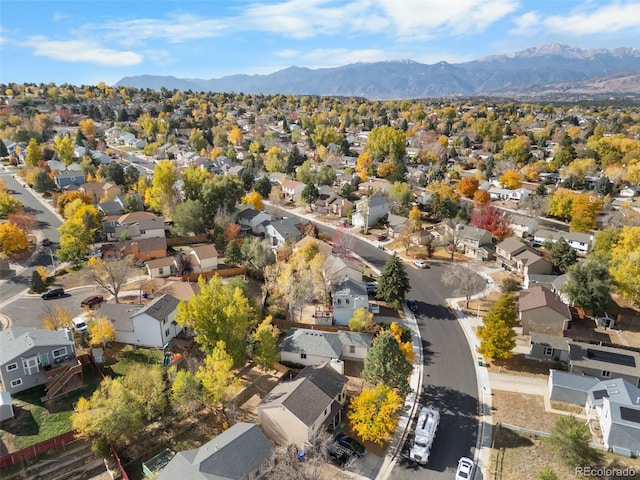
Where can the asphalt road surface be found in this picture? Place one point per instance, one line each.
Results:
(449, 379)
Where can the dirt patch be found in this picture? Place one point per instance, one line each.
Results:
(522, 410)
(567, 407)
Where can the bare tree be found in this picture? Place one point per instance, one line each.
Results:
(288, 464)
(464, 280)
(110, 274)
(183, 264)
(456, 228)
(56, 318)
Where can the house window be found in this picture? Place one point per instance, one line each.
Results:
(548, 351)
(303, 355)
(31, 365)
(16, 382)
(606, 374)
(346, 300)
(166, 332)
(12, 366)
(161, 271)
(60, 352)
(352, 349)
(338, 301)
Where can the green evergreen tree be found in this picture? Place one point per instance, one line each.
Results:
(36, 284)
(233, 254)
(570, 439)
(263, 186)
(589, 285)
(387, 364)
(563, 255)
(393, 284)
(497, 337)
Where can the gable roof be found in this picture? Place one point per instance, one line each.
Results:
(539, 296)
(15, 341)
(204, 252)
(348, 286)
(285, 229)
(316, 342)
(119, 314)
(553, 341)
(599, 357)
(309, 394)
(133, 217)
(511, 245)
(160, 307)
(472, 233)
(232, 455)
(160, 262)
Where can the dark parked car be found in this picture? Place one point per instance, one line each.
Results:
(53, 293)
(92, 301)
(46, 242)
(372, 288)
(338, 456)
(352, 446)
(413, 305)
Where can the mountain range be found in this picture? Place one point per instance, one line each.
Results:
(552, 70)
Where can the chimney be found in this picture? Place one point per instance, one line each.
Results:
(68, 333)
(337, 365)
(134, 249)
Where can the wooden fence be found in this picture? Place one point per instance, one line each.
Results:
(37, 449)
(222, 272)
(180, 241)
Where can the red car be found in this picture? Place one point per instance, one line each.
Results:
(92, 301)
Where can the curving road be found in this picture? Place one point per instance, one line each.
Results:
(449, 380)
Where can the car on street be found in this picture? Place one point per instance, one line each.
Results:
(79, 325)
(92, 301)
(46, 242)
(413, 305)
(420, 264)
(53, 293)
(352, 446)
(465, 469)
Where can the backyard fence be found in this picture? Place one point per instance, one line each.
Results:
(37, 449)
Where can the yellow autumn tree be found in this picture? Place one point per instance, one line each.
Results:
(374, 414)
(363, 165)
(624, 266)
(584, 211)
(481, 197)
(361, 320)
(13, 239)
(88, 128)
(101, 331)
(468, 186)
(386, 169)
(235, 136)
(511, 179)
(217, 376)
(56, 318)
(255, 199)
(415, 218)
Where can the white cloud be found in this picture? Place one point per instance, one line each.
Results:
(601, 19)
(287, 53)
(526, 24)
(58, 16)
(82, 51)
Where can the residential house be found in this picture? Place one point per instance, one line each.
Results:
(138, 225)
(556, 287)
(292, 190)
(293, 412)
(142, 250)
(332, 204)
(204, 258)
(347, 295)
(533, 279)
(30, 357)
(541, 310)
(250, 220)
(151, 325)
(549, 347)
(323, 247)
(473, 241)
(279, 232)
(100, 191)
(580, 242)
(523, 226)
(369, 210)
(507, 194)
(614, 404)
(515, 255)
(161, 267)
(242, 452)
(66, 178)
(604, 362)
(314, 347)
(396, 224)
(340, 268)
(374, 186)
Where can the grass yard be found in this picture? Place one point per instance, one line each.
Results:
(120, 358)
(35, 422)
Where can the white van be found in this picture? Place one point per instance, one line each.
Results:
(80, 325)
(426, 427)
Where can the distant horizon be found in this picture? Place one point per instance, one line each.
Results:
(88, 42)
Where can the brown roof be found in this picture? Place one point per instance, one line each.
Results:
(133, 217)
(160, 262)
(205, 251)
(539, 296)
(511, 244)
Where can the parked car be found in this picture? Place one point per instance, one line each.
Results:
(92, 301)
(79, 325)
(337, 455)
(381, 237)
(372, 288)
(53, 293)
(46, 242)
(413, 305)
(352, 446)
(420, 264)
(465, 469)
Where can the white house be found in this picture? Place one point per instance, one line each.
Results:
(250, 220)
(340, 268)
(151, 325)
(292, 189)
(507, 194)
(348, 295)
(581, 242)
(523, 226)
(369, 210)
(279, 232)
(315, 347)
(204, 258)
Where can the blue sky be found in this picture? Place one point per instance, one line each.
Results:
(89, 41)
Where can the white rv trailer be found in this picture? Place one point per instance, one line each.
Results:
(426, 427)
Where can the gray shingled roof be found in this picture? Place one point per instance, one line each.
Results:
(553, 341)
(472, 233)
(511, 244)
(572, 381)
(159, 307)
(120, 315)
(618, 390)
(234, 453)
(15, 341)
(539, 296)
(324, 344)
(350, 286)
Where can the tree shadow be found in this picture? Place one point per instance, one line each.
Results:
(22, 424)
(427, 353)
(506, 438)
